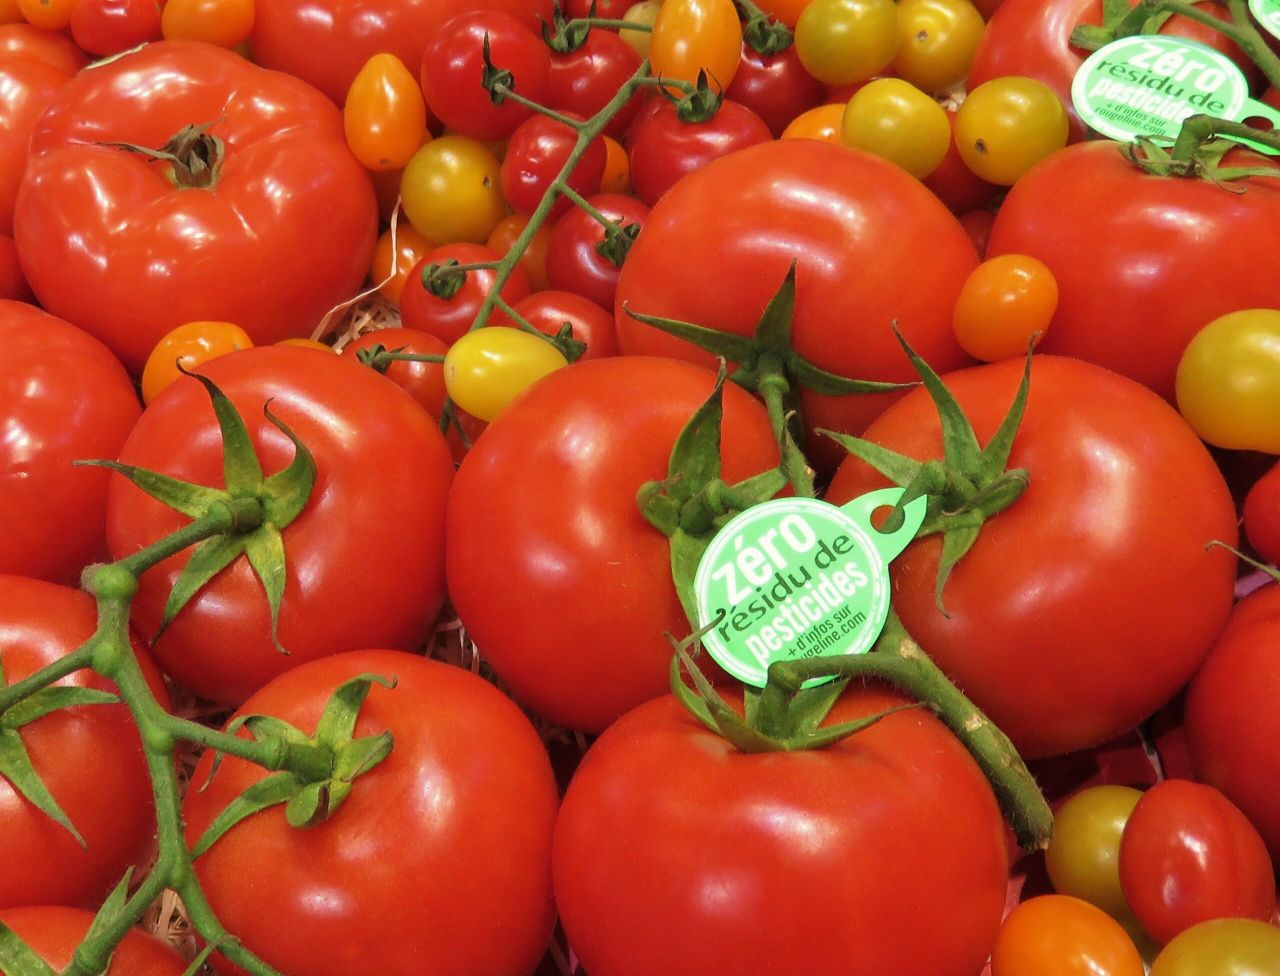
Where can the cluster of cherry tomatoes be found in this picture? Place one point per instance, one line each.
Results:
(502, 188)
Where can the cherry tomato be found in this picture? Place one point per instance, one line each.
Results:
(105, 27)
(423, 381)
(486, 369)
(226, 23)
(1262, 515)
(385, 118)
(1006, 301)
(937, 40)
(533, 262)
(54, 933)
(896, 121)
(450, 318)
(574, 262)
(1225, 947)
(1228, 381)
(954, 183)
(190, 345)
(775, 86)
(453, 65)
(1083, 857)
(409, 248)
(617, 168)
(549, 311)
(451, 190)
(582, 81)
(52, 47)
(690, 36)
(1189, 855)
(845, 41)
(1008, 125)
(822, 123)
(611, 9)
(537, 152)
(1056, 935)
(48, 14)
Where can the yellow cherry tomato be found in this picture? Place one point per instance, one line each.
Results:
(617, 168)
(821, 123)
(385, 116)
(1056, 935)
(1222, 947)
(937, 41)
(225, 23)
(642, 14)
(1003, 303)
(533, 262)
(895, 120)
(842, 42)
(1007, 125)
(191, 344)
(315, 344)
(450, 190)
(697, 35)
(49, 14)
(488, 368)
(410, 246)
(1228, 381)
(1083, 857)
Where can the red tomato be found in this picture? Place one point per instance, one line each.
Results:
(423, 381)
(1262, 515)
(453, 66)
(63, 397)
(13, 286)
(664, 149)
(574, 262)
(219, 645)
(284, 234)
(536, 153)
(775, 87)
(446, 843)
(1086, 561)
(1232, 725)
(548, 311)
(585, 79)
(450, 318)
(105, 27)
(586, 596)
(53, 47)
(717, 247)
(1188, 855)
(54, 934)
(326, 42)
(977, 224)
(671, 844)
(1140, 272)
(603, 8)
(955, 184)
(27, 86)
(89, 757)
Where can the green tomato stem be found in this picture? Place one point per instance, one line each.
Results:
(581, 202)
(794, 464)
(1239, 29)
(609, 24)
(1200, 128)
(77, 660)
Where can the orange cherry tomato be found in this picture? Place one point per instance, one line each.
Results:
(385, 117)
(410, 246)
(617, 168)
(822, 123)
(1004, 302)
(787, 11)
(226, 23)
(697, 35)
(49, 14)
(1057, 935)
(191, 344)
(9, 12)
(534, 260)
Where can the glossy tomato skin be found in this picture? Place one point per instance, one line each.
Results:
(422, 381)
(1139, 276)
(855, 225)
(446, 843)
(13, 286)
(1262, 515)
(335, 598)
(1233, 730)
(1087, 561)
(54, 933)
(536, 154)
(775, 87)
(548, 311)
(327, 42)
(583, 80)
(64, 398)
(664, 149)
(105, 27)
(672, 847)
(109, 243)
(574, 264)
(450, 318)
(52, 47)
(27, 87)
(543, 512)
(89, 757)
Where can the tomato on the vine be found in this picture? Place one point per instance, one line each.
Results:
(549, 311)
(449, 315)
(423, 381)
(585, 79)
(574, 261)
(533, 262)
(486, 369)
(536, 153)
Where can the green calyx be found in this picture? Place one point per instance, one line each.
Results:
(968, 486)
(194, 157)
(692, 502)
(617, 241)
(1199, 151)
(1119, 20)
(698, 104)
(252, 510)
(766, 35)
(444, 280)
(317, 772)
(566, 36)
(496, 81)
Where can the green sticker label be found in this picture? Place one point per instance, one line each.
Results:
(1148, 85)
(796, 578)
(1267, 13)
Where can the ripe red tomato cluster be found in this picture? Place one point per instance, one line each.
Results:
(233, 177)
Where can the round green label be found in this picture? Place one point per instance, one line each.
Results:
(796, 578)
(1267, 13)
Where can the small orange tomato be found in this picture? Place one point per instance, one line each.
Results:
(49, 14)
(822, 123)
(1056, 935)
(617, 168)
(534, 260)
(1003, 303)
(409, 248)
(225, 23)
(191, 344)
(9, 12)
(697, 35)
(385, 117)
